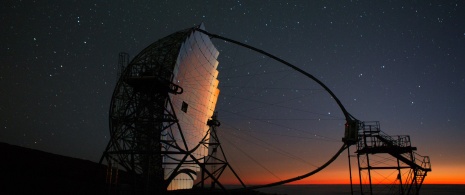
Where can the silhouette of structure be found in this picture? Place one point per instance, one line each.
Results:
(388, 161)
(159, 112)
(369, 140)
(411, 167)
(163, 126)
(216, 161)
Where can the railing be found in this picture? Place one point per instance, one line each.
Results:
(397, 140)
(370, 126)
(372, 136)
(372, 140)
(366, 134)
(425, 161)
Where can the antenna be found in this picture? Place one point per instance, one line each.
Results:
(123, 61)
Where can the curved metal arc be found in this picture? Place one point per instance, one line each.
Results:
(344, 146)
(347, 115)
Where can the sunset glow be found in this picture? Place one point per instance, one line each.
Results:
(131, 86)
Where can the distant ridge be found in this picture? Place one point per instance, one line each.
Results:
(29, 171)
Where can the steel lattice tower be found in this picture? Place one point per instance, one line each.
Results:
(155, 122)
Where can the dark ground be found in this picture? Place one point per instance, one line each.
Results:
(28, 171)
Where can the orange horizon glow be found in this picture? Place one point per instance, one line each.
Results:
(447, 174)
(428, 181)
(459, 180)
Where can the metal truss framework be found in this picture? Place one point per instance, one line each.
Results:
(145, 132)
(141, 113)
(142, 118)
(388, 164)
(215, 163)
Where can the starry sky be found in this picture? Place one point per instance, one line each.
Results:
(397, 62)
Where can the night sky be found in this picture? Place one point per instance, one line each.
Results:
(397, 62)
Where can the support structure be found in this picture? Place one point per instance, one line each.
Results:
(165, 96)
(215, 163)
(388, 164)
(158, 114)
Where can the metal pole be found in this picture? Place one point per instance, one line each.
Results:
(369, 173)
(350, 171)
(399, 176)
(359, 173)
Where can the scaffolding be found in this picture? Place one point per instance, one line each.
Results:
(388, 164)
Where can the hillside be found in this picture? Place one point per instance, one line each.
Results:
(28, 171)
